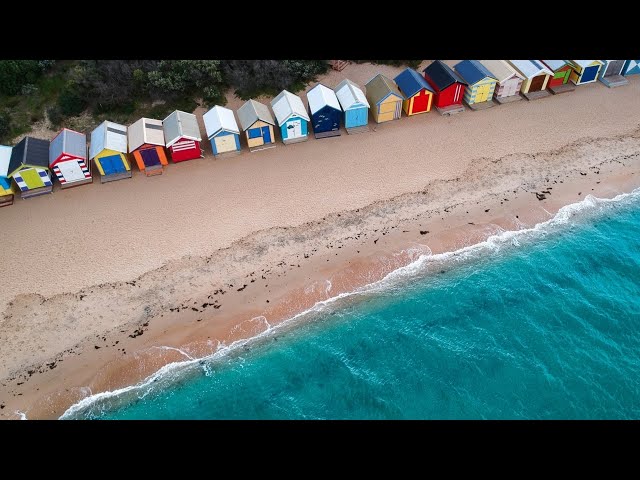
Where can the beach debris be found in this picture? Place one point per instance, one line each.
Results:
(376, 240)
(487, 210)
(242, 288)
(136, 333)
(424, 232)
(96, 347)
(541, 196)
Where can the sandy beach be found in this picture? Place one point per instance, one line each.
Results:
(216, 250)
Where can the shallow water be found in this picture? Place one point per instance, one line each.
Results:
(543, 323)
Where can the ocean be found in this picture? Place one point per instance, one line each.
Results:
(542, 323)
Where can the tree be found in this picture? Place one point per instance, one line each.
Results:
(16, 73)
(178, 78)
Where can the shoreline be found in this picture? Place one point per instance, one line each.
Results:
(365, 258)
(225, 254)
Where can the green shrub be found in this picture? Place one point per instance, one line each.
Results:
(70, 102)
(5, 125)
(55, 115)
(16, 73)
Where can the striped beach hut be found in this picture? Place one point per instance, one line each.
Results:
(611, 73)
(355, 105)
(257, 123)
(416, 90)
(584, 71)
(68, 158)
(29, 167)
(182, 136)
(631, 67)
(146, 143)
(291, 116)
(6, 186)
(536, 77)
(222, 130)
(448, 87)
(108, 150)
(481, 83)
(325, 111)
(509, 80)
(385, 98)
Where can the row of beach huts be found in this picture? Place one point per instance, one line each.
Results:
(31, 166)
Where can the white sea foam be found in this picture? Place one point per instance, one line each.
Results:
(494, 243)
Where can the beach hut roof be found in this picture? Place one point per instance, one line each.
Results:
(554, 64)
(179, 125)
(286, 105)
(145, 130)
(500, 69)
(472, 71)
(320, 96)
(530, 68)
(379, 88)
(218, 119)
(442, 75)
(69, 142)
(251, 111)
(585, 63)
(5, 157)
(29, 151)
(411, 82)
(108, 135)
(350, 94)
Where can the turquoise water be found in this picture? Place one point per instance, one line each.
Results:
(543, 324)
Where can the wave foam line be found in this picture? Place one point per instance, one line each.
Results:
(493, 243)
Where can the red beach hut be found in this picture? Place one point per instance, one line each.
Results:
(448, 86)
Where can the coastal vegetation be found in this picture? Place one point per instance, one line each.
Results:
(82, 93)
(123, 90)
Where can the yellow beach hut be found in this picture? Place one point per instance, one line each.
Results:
(385, 98)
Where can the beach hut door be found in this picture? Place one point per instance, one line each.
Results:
(614, 67)
(71, 171)
(266, 135)
(295, 129)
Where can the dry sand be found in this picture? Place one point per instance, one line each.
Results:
(102, 274)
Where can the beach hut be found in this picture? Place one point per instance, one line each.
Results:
(355, 105)
(561, 72)
(631, 67)
(291, 116)
(68, 158)
(559, 82)
(481, 83)
(447, 85)
(146, 143)
(584, 71)
(536, 77)
(325, 111)
(416, 90)
(385, 98)
(222, 130)
(29, 167)
(108, 150)
(182, 136)
(257, 123)
(509, 80)
(611, 73)
(6, 186)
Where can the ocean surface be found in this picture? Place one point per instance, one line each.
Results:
(543, 323)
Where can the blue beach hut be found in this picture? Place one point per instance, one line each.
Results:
(355, 105)
(325, 111)
(291, 116)
(631, 67)
(222, 130)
